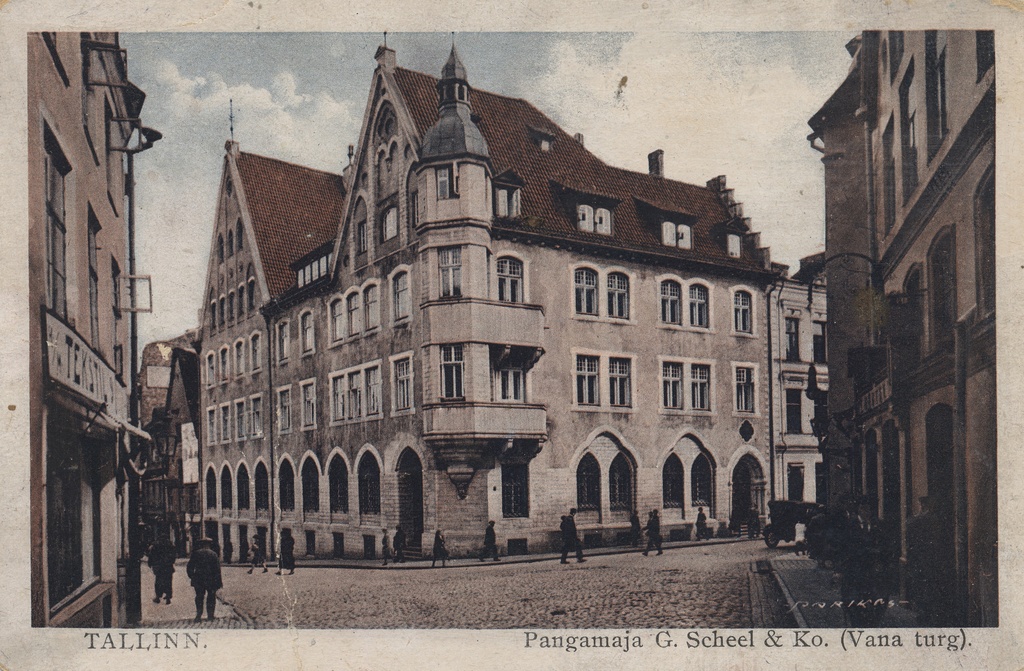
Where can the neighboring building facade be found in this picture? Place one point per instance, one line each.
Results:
(798, 323)
(497, 326)
(82, 111)
(912, 294)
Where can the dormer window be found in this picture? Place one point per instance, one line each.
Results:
(313, 270)
(676, 235)
(542, 139)
(585, 218)
(507, 202)
(603, 221)
(447, 183)
(734, 245)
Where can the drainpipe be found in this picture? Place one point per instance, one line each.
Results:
(271, 409)
(771, 388)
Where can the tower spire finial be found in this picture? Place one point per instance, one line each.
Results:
(231, 117)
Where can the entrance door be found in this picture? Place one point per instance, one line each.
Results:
(747, 492)
(410, 498)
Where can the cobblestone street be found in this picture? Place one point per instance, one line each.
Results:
(705, 586)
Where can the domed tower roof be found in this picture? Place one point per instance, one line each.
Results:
(455, 134)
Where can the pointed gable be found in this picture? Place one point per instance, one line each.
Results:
(514, 129)
(294, 210)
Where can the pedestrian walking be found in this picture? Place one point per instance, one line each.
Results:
(570, 538)
(653, 530)
(161, 559)
(385, 546)
(287, 552)
(635, 532)
(204, 571)
(490, 543)
(229, 550)
(440, 551)
(259, 554)
(702, 525)
(399, 544)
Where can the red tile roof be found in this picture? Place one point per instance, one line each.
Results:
(509, 125)
(294, 210)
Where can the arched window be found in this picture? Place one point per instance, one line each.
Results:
(985, 245)
(369, 485)
(620, 484)
(225, 488)
(262, 488)
(400, 295)
(588, 484)
(337, 320)
(671, 302)
(220, 249)
(238, 235)
(337, 478)
(389, 224)
(586, 291)
(310, 486)
(699, 306)
(231, 306)
(211, 489)
(213, 311)
(243, 487)
(307, 335)
(585, 218)
(942, 290)
(286, 485)
(231, 244)
(371, 306)
(355, 314)
(255, 356)
(510, 280)
(672, 483)
(702, 483)
(223, 311)
(741, 303)
(252, 294)
(211, 369)
(618, 295)
(241, 301)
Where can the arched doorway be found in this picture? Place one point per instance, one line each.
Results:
(410, 498)
(747, 491)
(702, 484)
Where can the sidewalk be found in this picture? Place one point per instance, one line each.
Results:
(180, 612)
(811, 592)
(424, 563)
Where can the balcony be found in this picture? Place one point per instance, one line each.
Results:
(460, 421)
(478, 320)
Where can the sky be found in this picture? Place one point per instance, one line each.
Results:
(733, 104)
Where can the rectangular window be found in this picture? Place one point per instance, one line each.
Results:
(792, 339)
(700, 386)
(620, 382)
(361, 237)
(451, 371)
(211, 426)
(745, 390)
(671, 303)
(734, 246)
(55, 169)
(403, 384)
(225, 423)
(309, 405)
(618, 296)
(586, 291)
(256, 416)
(284, 410)
(371, 305)
(372, 378)
(515, 490)
(794, 411)
(587, 372)
(355, 314)
(240, 419)
(414, 205)
(282, 342)
(510, 384)
(337, 398)
(936, 89)
(447, 183)
(908, 134)
(211, 369)
(401, 295)
(449, 261)
(239, 358)
(672, 385)
(355, 395)
(94, 282)
(255, 356)
(819, 342)
(225, 371)
(888, 178)
(742, 322)
(306, 337)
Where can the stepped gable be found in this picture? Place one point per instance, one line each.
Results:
(510, 126)
(294, 210)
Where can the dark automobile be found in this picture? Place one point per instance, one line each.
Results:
(784, 516)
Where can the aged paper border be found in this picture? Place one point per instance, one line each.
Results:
(24, 648)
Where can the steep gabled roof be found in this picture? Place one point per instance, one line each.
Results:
(294, 210)
(511, 125)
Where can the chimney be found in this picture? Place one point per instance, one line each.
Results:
(385, 58)
(656, 163)
(579, 138)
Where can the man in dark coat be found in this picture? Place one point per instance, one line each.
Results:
(161, 559)
(287, 552)
(204, 570)
(399, 544)
(702, 525)
(635, 532)
(653, 529)
(570, 538)
(490, 543)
